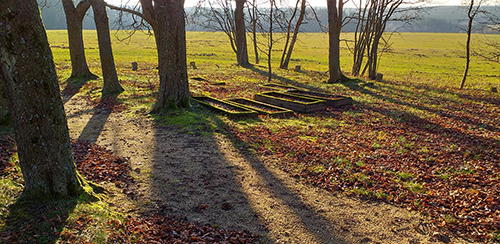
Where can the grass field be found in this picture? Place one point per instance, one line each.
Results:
(431, 58)
(413, 140)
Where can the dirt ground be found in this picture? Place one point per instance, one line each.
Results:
(211, 180)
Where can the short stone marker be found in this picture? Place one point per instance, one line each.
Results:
(134, 66)
(193, 64)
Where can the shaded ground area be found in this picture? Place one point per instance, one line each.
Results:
(209, 178)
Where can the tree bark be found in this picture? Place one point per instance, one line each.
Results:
(170, 35)
(74, 22)
(30, 81)
(4, 109)
(334, 27)
(241, 38)
(109, 76)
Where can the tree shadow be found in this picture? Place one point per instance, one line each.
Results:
(36, 222)
(355, 86)
(96, 123)
(285, 80)
(194, 177)
(73, 86)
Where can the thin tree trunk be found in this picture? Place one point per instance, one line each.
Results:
(467, 44)
(241, 38)
(286, 61)
(170, 34)
(254, 31)
(30, 81)
(110, 78)
(74, 22)
(270, 71)
(288, 31)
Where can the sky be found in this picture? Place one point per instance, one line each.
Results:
(316, 3)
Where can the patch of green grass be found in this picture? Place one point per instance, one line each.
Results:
(405, 176)
(194, 120)
(376, 145)
(414, 187)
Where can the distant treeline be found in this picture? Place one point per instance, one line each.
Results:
(439, 19)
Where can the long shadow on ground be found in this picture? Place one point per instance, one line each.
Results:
(73, 86)
(194, 176)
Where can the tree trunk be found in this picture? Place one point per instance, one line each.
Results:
(241, 38)
(30, 81)
(334, 27)
(254, 31)
(110, 78)
(471, 16)
(286, 60)
(170, 34)
(372, 68)
(74, 22)
(270, 71)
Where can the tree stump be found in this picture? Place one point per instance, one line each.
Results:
(379, 77)
(193, 64)
(494, 89)
(297, 68)
(134, 66)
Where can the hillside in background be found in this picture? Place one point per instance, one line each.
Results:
(440, 19)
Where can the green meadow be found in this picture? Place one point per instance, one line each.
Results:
(429, 58)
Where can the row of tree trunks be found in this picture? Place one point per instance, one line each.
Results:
(30, 81)
(166, 17)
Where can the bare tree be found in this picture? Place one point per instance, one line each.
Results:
(217, 15)
(490, 47)
(254, 18)
(166, 18)
(371, 21)
(472, 12)
(28, 74)
(290, 40)
(74, 22)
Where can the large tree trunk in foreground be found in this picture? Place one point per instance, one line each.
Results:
(110, 78)
(170, 34)
(30, 82)
(334, 28)
(74, 22)
(241, 37)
